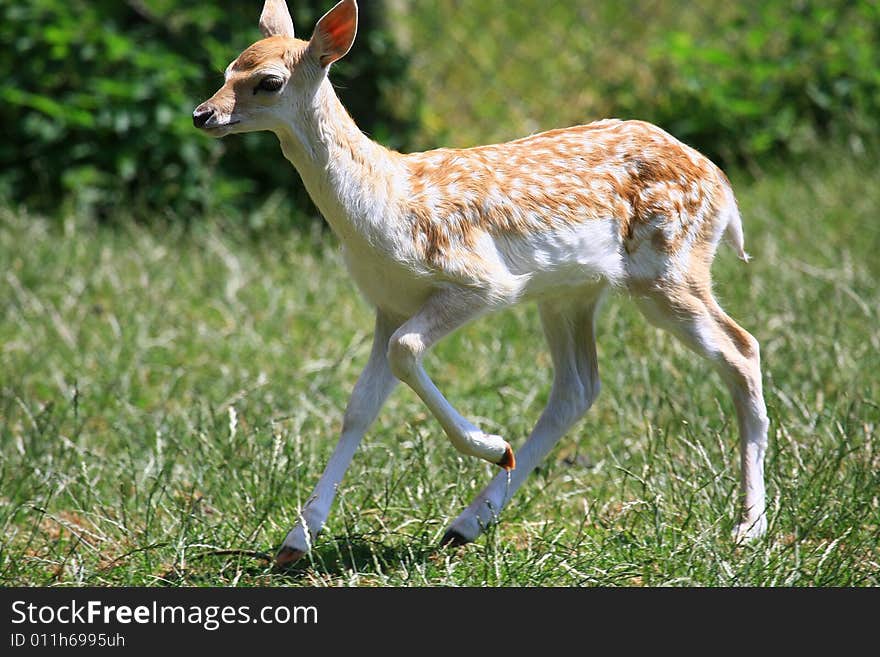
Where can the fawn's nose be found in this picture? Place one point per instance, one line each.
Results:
(202, 115)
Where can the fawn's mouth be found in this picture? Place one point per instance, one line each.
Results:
(222, 126)
(220, 130)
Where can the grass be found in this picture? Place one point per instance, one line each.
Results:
(168, 398)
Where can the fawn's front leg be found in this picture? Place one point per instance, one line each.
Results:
(372, 389)
(447, 310)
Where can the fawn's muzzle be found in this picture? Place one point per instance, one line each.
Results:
(202, 115)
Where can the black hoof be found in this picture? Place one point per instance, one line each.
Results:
(453, 539)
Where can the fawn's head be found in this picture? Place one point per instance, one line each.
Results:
(278, 73)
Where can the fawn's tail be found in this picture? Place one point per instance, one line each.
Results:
(734, 233)
(733, 221)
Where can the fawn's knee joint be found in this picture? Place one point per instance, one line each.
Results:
(590, 389)
(404, 353)
(584, 401)
(572, 402)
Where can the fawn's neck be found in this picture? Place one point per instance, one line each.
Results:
(352, 179)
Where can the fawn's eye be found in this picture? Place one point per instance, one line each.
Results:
(270, 83)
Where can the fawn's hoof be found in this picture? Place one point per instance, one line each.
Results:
(287, 556)
(508, 461)
(453, 539)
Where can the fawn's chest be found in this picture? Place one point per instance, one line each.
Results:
(378, 253)
(386, 282)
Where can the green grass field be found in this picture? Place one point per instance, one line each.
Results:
(168, 398)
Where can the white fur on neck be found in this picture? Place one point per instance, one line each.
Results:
(350, 178)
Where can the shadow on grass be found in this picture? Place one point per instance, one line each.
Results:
(343, 556)
(338, 557)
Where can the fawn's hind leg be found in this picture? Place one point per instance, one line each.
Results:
(569, 328)
(691, 313)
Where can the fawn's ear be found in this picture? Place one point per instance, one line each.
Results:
(275, 19)
(335, 32)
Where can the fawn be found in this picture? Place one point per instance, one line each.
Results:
(435, 240)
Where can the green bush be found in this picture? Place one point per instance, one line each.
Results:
(100, 95)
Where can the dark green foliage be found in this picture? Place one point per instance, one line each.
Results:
(99, 96)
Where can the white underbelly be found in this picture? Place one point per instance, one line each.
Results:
(567, 257)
